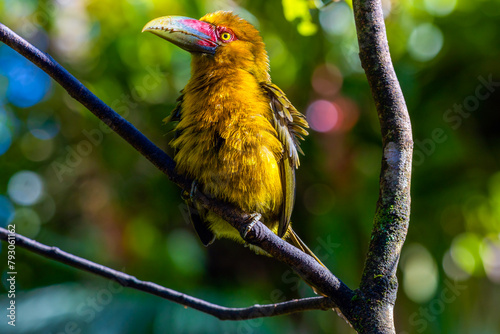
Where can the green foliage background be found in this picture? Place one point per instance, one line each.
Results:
(99, 199)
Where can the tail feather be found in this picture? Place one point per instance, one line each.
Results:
(297, 242)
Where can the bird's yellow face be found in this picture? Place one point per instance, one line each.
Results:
(220, 38)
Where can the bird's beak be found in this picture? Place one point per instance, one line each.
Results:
(187, 33)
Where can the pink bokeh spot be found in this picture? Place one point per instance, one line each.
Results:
(327, 80)
(322, 115)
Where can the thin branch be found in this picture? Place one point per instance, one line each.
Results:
(259, 234)
(221, 312)
(379, 283)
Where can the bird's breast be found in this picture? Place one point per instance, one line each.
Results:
(228, 144)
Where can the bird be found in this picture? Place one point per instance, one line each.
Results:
(236, 133)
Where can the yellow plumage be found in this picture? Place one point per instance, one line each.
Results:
(237, 133)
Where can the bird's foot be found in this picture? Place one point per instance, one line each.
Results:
(191, 194)
(254, 218)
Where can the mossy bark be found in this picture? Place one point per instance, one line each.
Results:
(378, 288)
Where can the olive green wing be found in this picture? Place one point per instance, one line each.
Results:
(196, 214)
(290, 126)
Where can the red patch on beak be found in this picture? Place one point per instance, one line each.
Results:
(204, 28)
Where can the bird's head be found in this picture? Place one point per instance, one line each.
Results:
(221, 38)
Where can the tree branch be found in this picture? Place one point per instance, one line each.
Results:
(379, 283)
(307, 267)
(223, 313)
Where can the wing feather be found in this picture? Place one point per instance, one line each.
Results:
(290, 127)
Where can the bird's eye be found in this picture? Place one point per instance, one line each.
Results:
(225, 36)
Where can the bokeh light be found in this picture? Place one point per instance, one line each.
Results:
(25, 187)
(327, 80)
(452, 270)
(337, 19)
(440, 7)
(490, 254)
(386, 7)
(297, 9)
(72, 30)
(28, 84)
(420, 278)
(36, 149)
(141, 236)
(27, 222)
(465, 252)
(20, 8)
(43, 125)
(6, 211)
(350, 62)
(348, 113)
(322, 115)
(426, 40)
(340, 115)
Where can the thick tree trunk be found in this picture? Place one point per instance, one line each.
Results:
(379, 283)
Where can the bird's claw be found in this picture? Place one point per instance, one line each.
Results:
(194, 189)
(254, 218)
